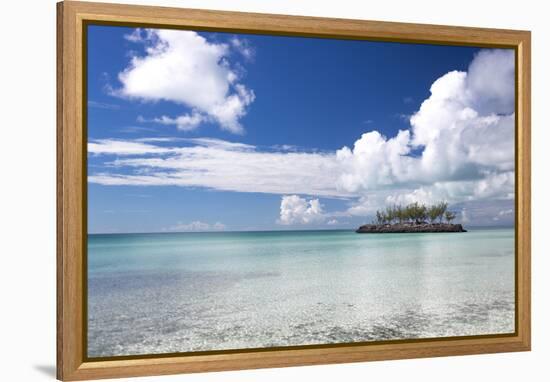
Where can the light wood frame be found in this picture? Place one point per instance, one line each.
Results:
(72, 363)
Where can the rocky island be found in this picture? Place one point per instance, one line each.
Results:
(410, 228)
(413, 218)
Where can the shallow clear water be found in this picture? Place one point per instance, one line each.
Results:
(164, 293)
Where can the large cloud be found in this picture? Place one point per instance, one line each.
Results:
(375, 162)
(183, 67)
(459, 148)
(465, 131)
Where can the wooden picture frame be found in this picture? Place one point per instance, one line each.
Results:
(72, 362)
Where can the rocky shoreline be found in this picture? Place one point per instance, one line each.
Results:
(410, 228)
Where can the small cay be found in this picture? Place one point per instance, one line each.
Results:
(410, 228)
(413, 218)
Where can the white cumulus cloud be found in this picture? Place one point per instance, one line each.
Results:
(460, 134)
(297, 210)
(375, 161)
(183, 67)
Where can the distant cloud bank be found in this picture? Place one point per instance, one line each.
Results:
(196, 226)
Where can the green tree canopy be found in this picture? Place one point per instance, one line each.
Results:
(415, 213)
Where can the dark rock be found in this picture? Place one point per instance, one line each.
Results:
(410, 228)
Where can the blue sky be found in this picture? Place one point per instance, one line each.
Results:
(211, 131)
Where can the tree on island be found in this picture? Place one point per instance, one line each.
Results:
(414, 213)
(449, 216)
(437, 211)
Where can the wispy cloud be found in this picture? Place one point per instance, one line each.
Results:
(185, 122)
(139, 195)
(244, 47)
(507, 214)
(124, 148)
(103, 105)
(215, 164)
(285, 148)
(196, 226)
(135, 129)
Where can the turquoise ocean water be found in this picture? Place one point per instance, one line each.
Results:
(180, 292)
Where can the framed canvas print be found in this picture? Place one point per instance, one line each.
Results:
(244, 190)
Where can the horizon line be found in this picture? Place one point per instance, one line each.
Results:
(272, 230)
